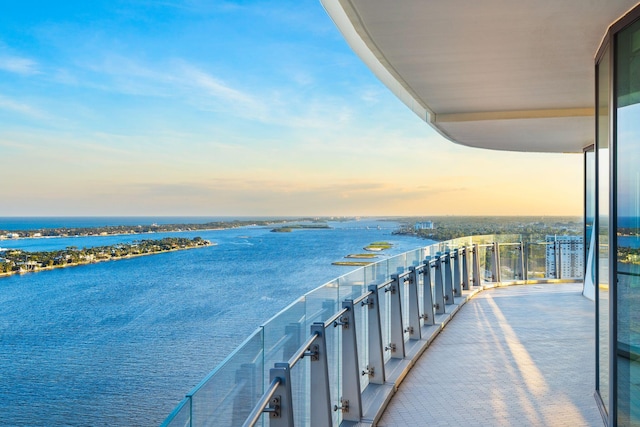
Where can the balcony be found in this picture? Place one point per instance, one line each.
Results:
(337, 355)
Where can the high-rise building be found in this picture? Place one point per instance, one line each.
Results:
(564, 257)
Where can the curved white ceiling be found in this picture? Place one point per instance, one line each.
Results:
(498, 74)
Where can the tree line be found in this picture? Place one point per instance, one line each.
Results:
(18, 260)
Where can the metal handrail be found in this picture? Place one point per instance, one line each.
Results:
(385, 284)
(300, 353)
(330, 321)
(362, 297)
(258, 410)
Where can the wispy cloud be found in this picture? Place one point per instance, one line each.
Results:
(22, 108)
(237, 101)
(174, 78)
(18, 65)
(214, 86)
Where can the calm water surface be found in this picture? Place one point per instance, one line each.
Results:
(121, 342)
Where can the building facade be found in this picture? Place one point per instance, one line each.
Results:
(426, 225)
(564, 257)
(613, 190)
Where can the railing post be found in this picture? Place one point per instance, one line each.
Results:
(439, 304)
(376, 347)
(495, 263)
(477, 281)
(396, 346)
(320, 411)
(559, 264)
(457, 281)
(284, 397)
(350, 368)
(428, 313)
(555, 256)
(448, 282)
(521, 275)
(414, 306)
(465, 268)
(525, 261)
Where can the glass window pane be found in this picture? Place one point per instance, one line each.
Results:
(589, 282)
(603, 228)
(590, 182)
(628, 224)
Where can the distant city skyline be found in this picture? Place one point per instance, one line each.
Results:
(230, 109)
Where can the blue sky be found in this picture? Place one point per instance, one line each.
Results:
(230, 108)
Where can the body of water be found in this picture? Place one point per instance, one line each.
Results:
(121, 342)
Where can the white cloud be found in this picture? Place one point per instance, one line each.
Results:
(17, 65)
(195, 77)
(21, 108)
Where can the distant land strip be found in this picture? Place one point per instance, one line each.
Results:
(110, 230)
(17, 261)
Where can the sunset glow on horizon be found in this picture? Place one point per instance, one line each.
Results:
(231, 109)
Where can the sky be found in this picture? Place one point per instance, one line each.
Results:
(214, 108)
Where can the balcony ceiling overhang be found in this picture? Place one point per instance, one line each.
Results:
(497, 74)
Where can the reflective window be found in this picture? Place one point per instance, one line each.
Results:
(589, 221)
(628, 224)
(602, 290)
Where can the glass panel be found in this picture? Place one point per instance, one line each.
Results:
(564, 258)
(376, 274)
(321, 304)
(602, 288)
(397, 264)
(628, 224)
(351, 285)
(589, 272)
(536, 263)
(485, 263)
(284, 334)
(230, 392)
(430, 251)
(181, 416)
(414, 258)
(509, 262)
(589, 203)
(301, 392)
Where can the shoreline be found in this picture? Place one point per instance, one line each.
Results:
(96, 261)
(71, 236)
(140, 229)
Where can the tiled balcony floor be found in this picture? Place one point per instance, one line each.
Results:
(512, 356)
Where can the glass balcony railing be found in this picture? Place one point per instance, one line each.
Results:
(327, 355)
